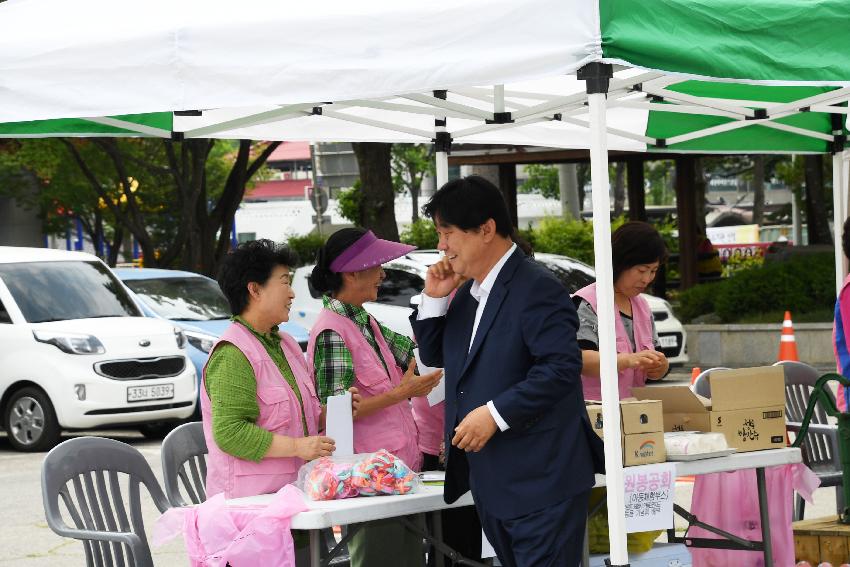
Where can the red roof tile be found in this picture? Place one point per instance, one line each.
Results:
(291, 151)
(278, 189)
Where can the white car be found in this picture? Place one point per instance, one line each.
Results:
(406, 278)
(77, 353)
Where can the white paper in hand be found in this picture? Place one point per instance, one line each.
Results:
(339, 424)
(438, 394)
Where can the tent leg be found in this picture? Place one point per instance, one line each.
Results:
(596, 76)
(442, 168)
(442, 146)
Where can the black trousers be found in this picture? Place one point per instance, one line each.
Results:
(461, 526)
(551, 537)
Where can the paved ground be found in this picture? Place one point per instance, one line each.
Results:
(26, 541)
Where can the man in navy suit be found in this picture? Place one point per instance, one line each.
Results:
(517, 433)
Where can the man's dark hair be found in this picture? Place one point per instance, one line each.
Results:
(845, 238)
(469, 202)
(636, 243)
(323, 279)
(251, 262)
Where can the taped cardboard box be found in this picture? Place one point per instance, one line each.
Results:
(642, 430)
(747, 405)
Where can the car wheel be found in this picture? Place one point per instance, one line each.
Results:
(158, 430)
(30, 421)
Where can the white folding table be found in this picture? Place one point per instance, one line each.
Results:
(429, 500)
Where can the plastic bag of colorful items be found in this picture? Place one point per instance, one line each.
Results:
(366, 474)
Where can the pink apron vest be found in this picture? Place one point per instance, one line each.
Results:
(844, 307)
(280, 413)
(217, 535)
(729, 501)
(391, 428)
(642, 325)
(429, 421)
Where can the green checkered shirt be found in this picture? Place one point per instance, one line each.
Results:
(332, 361)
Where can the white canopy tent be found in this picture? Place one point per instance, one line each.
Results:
(473, 71)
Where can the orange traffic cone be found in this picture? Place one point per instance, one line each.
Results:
(787, 342)
(694, 373)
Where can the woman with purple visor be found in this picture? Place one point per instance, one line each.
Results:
(348, 347)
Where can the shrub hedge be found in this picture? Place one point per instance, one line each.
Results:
(802, 284)
(306, 246)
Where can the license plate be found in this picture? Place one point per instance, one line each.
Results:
(668, 341)
(145, 393)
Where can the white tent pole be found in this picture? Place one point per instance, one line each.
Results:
(839, 186)
(498, 98)
(283, 113)
(442, 144)
(596, 76)
(845, 172)
(442, 168)
(140, 128)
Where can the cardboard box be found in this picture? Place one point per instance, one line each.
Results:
(747, 405)
(642, 430)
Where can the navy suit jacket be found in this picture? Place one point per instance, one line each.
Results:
(525, 359)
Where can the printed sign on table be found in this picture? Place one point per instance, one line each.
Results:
(650, 490)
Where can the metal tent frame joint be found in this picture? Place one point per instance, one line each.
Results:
(500, 118)
(442, 142)
(596, 76)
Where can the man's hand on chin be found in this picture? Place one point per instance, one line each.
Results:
(473, 432)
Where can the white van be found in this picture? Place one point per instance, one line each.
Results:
(76, 352)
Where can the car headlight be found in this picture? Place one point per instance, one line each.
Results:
(200, 341)
(180, 337)
(72, 343)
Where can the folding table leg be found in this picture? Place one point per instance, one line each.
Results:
(437, 526)
(315, 548)
(765, 517)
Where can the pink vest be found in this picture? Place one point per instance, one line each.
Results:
(391, 428)
(844, 307)
(280, 413)
(642, 325)
(429, 422)
(729, 501)
(217, 534)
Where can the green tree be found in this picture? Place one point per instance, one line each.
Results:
(348, 203)
(410, 163)
(659, 176)
(177, 199)
(377, 196)
(542, 179)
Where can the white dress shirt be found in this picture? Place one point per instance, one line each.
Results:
(437, 307)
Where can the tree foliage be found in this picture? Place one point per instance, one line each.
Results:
(542, 179)
(377, 196)
(348, 203)
(176, 199)
(410, 163)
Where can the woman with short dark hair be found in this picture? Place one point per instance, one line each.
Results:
(261, 415)
(637, 252)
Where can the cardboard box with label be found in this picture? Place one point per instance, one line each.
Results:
(642, 430)
(747, 405)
